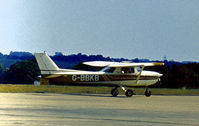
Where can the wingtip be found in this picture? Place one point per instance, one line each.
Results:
(158, 64)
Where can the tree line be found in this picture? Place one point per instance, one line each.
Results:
(21, 72)
(178, 76)
(174, 75)
(22, 68)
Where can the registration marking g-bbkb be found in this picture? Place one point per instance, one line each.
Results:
(85, 77)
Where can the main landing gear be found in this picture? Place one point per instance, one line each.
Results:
(128, 92)
(114, 92)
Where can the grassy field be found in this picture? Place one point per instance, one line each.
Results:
(8, 88)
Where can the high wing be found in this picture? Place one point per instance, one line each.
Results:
(119, 64)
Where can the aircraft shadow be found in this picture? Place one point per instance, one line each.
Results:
(98, 95)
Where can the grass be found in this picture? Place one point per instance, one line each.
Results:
(9, 88)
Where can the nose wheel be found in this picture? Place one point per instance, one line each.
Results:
(147, 93)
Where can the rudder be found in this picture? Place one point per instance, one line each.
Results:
(46, 65)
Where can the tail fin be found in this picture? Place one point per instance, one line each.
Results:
(46, 65)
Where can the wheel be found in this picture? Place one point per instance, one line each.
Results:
(129, 93)
(114, 92)
(147, 93)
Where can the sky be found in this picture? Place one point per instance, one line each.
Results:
(151, 29)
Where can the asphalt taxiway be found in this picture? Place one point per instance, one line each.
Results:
(43, 109)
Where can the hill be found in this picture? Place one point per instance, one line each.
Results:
(68, 61)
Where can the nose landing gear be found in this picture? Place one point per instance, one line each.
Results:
(147, 93)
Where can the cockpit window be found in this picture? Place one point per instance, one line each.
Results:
(127, 70)
(138, 69)
(132, 70)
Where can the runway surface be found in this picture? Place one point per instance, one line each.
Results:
(37, 109)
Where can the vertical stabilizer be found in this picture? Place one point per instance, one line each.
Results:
(46, 65)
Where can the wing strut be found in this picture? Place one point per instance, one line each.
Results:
(138, 77)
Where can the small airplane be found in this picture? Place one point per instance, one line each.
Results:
(115, 74)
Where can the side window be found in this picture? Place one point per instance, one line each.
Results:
(110, 70)
(132, 70)
(127, 70)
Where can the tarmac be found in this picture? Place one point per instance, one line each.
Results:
(48, 109)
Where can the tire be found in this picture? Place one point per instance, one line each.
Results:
(147, 93)
(114, 92)
(129, 93)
